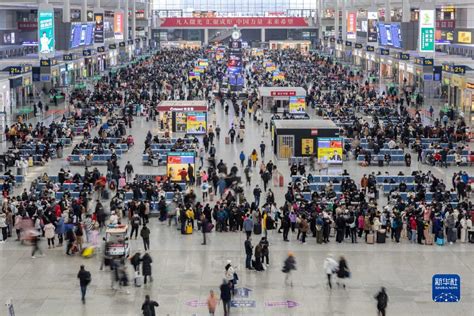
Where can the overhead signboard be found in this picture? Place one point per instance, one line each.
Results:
(46, 43)
(99, 28)
(240, 22)
(427, 31)
(118, 25)
(372, 20)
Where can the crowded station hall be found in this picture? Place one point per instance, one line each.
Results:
(230, 157)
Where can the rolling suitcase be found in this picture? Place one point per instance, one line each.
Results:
(189, 229)
(370, 238)
(227, 140)
(138, 279)
(281, 180)
(429, 240)
(257, 229)
(381, 236)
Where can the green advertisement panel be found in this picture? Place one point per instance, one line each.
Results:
(46, 33)
(427, 43)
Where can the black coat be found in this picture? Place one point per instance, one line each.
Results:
(146, 264)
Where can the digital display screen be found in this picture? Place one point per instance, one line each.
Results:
(330, 150)
(89, 34)
(196, 123)
(176, 162)
(297, 105)
(75, 40)
(389, 35)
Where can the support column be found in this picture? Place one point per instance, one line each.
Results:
(262, 35)
(67, 11)
(206, 36)
(406, 14)
(388, 11)
(84, 11)
(118, 4)
(148, 20)
(344, 21)
(125, 21)
(320, 19)
(134, 19)
(336, 20)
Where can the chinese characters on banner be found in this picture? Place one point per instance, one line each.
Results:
(45, 31)
(372, 20)
(240, 22)
(427, 31)
(118, 25)
(99, 28)
(351, 25)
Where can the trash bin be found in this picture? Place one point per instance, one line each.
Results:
(20, 171)
(59, 153)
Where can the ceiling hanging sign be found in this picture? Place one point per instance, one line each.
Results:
(426, 36)
(118, 25)
(351, 25)
(372, 20)
(99, 28)
(240, 22)
(46, 43)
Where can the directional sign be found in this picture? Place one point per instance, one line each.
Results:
(242, 292)
(242, 303)
(196, 303)
(286, 304)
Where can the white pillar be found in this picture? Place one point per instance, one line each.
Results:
(406, 14)
(84, 11)
(262, 35)
(125, 21)
(206, 36)
(118, 4)
(66, 11)
(388, 11)
(320, 18)
(134, 19)
(344, 21)
(336, 20)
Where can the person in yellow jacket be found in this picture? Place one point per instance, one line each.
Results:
(190, 216)
(254, 157)
(264, 223)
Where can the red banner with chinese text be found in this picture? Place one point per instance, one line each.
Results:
(244, 22)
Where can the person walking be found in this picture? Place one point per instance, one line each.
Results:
(225, 296)
(49, 234)
(257, 192)
(382, 301)
(129, 172)
(289, 265)
(146, 267)
(248, 225)
(342, 272)
(212, 303)
(35, 239)
(145, 234)
(148, 307)
(330, 266)
(262, 149)
(248, 253)
(135, 223)
(85, 278)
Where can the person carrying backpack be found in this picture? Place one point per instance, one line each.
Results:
(85, 278)
(382, 301)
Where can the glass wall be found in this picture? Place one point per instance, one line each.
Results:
(238, 7)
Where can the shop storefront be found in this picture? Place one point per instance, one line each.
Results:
(283, 99)
(358, 55)
(101, 58)
(112, 56)
(181, 44)
(454, 84)
(468, 103)
(302, 46)
(348, 52)
(369, 64)
(339, 49)
(189, 117)
(130, 49)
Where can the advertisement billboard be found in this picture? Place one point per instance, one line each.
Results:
(389, 34)
(426, 31)
(118, 25)
(330, 150)
(196, 123)
(372, 20)
(99, 27)
(351, 25)
(45, 32)
(307, 146)
(176, 162)
(297, 105)
(278, 76)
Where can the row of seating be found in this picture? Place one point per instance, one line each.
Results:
(397, 179)
(118, 151)
(385, 151)
(96, 159)
(395, 159)
(318, 178)
(161, 159)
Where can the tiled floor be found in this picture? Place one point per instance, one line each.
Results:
(184, 270)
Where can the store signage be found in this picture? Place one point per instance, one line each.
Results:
(314, 132)
(99, 28)
(445, 24)
(428, 61)
(112, 46)
(46, 42)
(348, 44)
(426, 33)
(170, 108)
(241, 22)
(464, 37)
(27, 26)
(372, 20)
(384, 52)
(351, 25)
(67, 57)
(45, 63)
(370, 48)
(101, 49)
(118, 25)
(287, 93)
(86, 52)
(16, 70)
(358, 45)
(403, 56)
(122, 44)
(455, 69)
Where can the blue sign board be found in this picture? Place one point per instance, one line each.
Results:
(243, 292)
(446, 288)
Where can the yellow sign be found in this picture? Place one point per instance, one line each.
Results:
(465, 37)
(307, 146)
(196, 123)
(330, 150)
(278, 75)
(297, 105)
